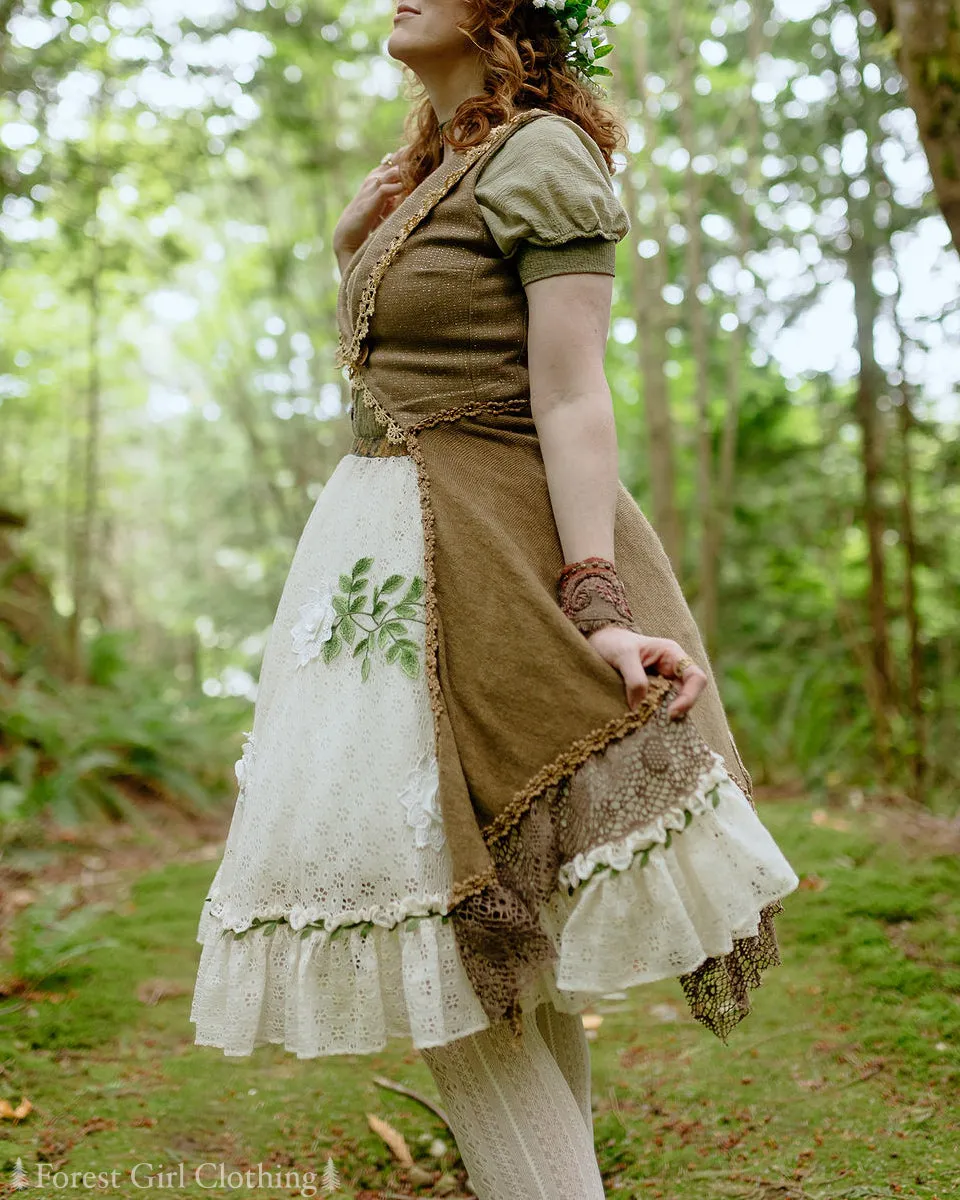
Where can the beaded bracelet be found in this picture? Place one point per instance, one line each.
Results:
(592, 595)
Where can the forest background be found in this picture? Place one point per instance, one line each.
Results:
(783, 359)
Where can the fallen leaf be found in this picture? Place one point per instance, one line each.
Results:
(150, 991)
(812, 883)
(393, 1138)
(7, 1111)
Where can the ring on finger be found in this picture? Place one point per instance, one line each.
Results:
(387, 158)
(681, 666)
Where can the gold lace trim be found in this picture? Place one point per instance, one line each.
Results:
(577, 754)
(393, 432)
(350, 355)
(470, 409)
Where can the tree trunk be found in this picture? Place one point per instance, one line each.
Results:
(918, 744)
(928, 55)
(750, 116)
(917, 755)
(706, 593)
(648, 277)
(860, 265)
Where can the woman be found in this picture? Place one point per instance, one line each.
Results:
(524, 795)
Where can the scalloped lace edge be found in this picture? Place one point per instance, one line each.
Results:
(614, 856)
(304, 921)
(619, 855)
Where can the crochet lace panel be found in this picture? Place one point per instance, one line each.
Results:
(650, 779)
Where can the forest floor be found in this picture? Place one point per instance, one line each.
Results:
(842, 1084)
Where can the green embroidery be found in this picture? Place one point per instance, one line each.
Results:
(389, 621)
(267, 925)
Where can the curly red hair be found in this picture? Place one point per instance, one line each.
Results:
(524, 55)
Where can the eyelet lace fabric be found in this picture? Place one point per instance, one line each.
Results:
(336, 826)
(325, 928)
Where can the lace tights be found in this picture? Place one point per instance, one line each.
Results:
(520, 1111)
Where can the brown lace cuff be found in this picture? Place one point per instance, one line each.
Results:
(592, 596)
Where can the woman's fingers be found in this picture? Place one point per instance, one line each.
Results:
(634, 677)
(667, 654)
(694, 681)
(376, 199)
(633, 654)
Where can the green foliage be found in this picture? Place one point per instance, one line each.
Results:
(78, 753)
(44, 940)
(188, 202)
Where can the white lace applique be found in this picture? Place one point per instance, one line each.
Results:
(315, 625)
(420, 797)
(244, 764)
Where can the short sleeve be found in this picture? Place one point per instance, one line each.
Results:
(547, 198)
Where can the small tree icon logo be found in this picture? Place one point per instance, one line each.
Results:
(331, 1180)
(19, 1180)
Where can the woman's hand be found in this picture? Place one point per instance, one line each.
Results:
(632, 652)
(379, 195)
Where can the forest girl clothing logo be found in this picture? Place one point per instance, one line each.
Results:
(208, 1176)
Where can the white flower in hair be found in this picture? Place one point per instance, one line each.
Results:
(582, 23)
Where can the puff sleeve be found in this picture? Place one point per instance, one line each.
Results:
(547, 198)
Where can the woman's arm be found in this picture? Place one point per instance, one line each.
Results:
(572, 407)
(569, 316)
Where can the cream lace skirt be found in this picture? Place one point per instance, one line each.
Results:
(323, 928)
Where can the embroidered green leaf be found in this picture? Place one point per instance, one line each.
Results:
(374, 621)
(414, 591)
(687, 817)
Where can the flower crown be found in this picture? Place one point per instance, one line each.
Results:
(582, 22)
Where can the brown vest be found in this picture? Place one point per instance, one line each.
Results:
(539, 756)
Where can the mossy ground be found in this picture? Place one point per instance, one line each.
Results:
(844, 1082)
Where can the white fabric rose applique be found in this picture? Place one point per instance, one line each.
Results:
(364, 622)
(315, 627)
(244, 764)
(420, 798)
